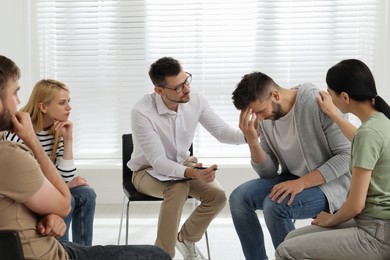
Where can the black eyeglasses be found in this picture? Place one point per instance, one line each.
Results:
(179, 88)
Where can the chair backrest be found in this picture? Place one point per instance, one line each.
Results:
(10, 246)
(127, 174)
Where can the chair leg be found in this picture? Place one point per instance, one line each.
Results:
(127, 222)
(208, 246)
(120, 224)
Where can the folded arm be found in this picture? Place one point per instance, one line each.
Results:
(53, 192)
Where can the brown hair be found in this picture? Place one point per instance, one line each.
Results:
(8, 70)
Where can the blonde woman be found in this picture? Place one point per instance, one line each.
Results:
(49, 108)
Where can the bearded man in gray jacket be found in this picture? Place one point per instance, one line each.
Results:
(302, 160)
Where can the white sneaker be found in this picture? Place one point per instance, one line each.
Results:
(189, 250)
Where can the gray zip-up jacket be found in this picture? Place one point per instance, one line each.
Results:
(323, 145)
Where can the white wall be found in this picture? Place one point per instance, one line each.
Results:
(13, 41)
(105, 176)
(382, 64)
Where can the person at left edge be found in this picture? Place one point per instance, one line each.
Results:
(33, 197)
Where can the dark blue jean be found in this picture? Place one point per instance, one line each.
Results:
(81, 216)
(133, 252)
(254, 195)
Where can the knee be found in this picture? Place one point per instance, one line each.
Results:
(292, 234)
(214, 198)
(235, 197)
(272, 208)
(283, 251)
(280, 252)
(220, 198)
(176, 190)
(238, 198)
(90, 195)
(84, 195)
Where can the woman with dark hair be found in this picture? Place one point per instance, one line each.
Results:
(361, 228)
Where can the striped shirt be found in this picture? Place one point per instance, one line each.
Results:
(66, 168)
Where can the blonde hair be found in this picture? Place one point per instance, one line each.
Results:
(44, 91)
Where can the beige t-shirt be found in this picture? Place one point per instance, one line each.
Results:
(288, 144)
(20, 178)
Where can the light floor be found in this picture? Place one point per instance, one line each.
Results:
(224, 243)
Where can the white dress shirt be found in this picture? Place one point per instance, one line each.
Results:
(162, 137)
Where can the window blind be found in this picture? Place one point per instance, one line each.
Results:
(103, 49)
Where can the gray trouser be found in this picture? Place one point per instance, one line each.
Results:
(362, 238)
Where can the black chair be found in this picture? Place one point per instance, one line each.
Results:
(130, 191)
(10, 246)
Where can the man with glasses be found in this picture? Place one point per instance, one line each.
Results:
(163, 127)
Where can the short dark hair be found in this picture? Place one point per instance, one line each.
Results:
(253, 86)
(162, 68)
(8, 70)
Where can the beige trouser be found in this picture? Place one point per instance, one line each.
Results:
(363, 238)
(212, 198)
